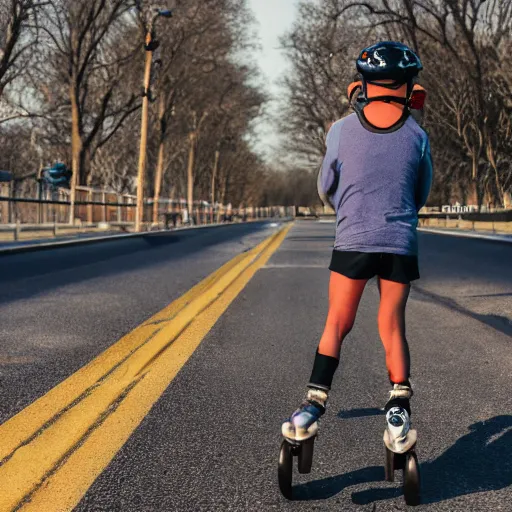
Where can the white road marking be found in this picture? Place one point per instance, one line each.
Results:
(467, 234)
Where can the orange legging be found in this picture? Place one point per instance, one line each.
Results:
(344, 297)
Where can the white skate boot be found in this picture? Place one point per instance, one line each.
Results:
(303, 423)
(398, 436)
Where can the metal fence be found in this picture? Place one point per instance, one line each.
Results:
(99, 206)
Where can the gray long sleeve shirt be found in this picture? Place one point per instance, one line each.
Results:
(377, 183)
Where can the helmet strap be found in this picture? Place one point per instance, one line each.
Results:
(362, 101)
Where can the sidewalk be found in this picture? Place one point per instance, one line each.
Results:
(47, 235)
(44, 238)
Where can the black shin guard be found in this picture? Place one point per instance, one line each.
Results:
(323, 372)
(399, 402)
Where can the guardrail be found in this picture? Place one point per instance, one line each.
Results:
(468, 225)
(498, 216)
(96, 206)
(496, 222)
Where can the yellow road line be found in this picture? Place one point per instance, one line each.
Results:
(56, 466)
(19, 429)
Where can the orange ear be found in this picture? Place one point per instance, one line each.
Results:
(352, 87)
(418, 97)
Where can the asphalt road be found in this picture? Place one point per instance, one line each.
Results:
(211, 441)
(61, 308)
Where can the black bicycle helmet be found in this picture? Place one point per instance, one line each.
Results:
(388, 61)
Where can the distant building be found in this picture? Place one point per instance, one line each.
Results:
(458, 208)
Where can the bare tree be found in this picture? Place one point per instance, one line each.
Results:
(190, 51)
(463, 45)
(91, 47)
(201, 90)
(82, 91)
(18, 37)
(474, 34)
(321, 47)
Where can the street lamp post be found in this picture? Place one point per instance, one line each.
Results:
(150, 46)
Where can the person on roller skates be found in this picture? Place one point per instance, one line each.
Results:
(377, 175)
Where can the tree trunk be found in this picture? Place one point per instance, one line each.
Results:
(76, 147)
(161, 158)
(85, 167)
(222, 197)
(226, 187)
(500, 191)
(214, 175)
(190, 172)
(474, 188)
(479, 194)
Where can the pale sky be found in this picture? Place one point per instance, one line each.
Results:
(274, 17)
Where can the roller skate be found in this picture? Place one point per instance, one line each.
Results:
(400, 442)
(299, 433)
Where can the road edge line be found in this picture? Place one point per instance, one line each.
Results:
(479, 236)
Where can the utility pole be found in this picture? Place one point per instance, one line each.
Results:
(150, 46)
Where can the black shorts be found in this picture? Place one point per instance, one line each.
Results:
(365, 265)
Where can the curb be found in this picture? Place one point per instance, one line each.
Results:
(468, 234)
(5, 251)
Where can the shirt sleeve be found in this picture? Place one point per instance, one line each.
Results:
(424, 176)
(328, 176)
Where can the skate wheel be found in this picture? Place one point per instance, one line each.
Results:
(389, 467)
(285, 469)
(411, 479)
(305, 456)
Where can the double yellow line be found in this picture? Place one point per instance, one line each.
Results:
(52, 451)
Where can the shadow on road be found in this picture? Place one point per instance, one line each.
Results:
(360, 413)
(329, 487)
(498, 322)
(479, 461)
(506, 294)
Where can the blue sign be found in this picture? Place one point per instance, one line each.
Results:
(5, 176)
